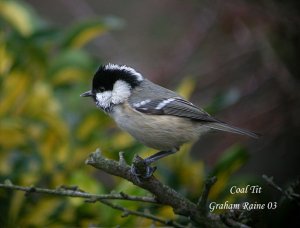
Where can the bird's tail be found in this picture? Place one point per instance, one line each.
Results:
(232, 129)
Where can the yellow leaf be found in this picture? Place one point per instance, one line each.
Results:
(26, 179)
(79, 155)
(89, 124)
(68, 75)
(11, 134)
(18, 16)
(6, 59)
(35, 131)
(5, 167)
(41, 92)
(62, 152)
(39, 214)
(47, 150)
(15, 205)
(13, 91)
(86, 35)
(139, 222)
(122, 140)
(68, 214)
(184, 166)
(59, 178)
(167, 212)
(86, 182)
(57, 127)
(195, 173)
(218, 187)
(186, 87)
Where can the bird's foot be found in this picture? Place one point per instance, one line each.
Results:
(141, 169)
(149, 171)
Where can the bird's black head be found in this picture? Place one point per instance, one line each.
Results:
(106, 76)
(112, 84)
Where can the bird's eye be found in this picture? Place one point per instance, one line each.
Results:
(101, 89)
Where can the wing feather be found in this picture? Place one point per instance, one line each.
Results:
(175, 106)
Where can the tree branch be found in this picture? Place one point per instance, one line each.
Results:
(163, 193)
(76, 192)
(141, 214)
(202, 207)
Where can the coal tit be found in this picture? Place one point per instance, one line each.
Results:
(157, 117)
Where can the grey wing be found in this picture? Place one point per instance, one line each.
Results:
(167, 102)
(175, 106)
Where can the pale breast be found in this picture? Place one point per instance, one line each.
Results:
(155, 131)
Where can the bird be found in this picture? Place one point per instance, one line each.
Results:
(157, 117)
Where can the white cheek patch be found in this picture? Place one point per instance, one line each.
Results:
(103, 100)
(121, 92)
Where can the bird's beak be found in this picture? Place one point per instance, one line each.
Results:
(87, 94)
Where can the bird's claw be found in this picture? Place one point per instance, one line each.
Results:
(148, 173)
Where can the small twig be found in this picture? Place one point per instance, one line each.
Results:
(122, 160)
(271, 182)
(74, 192)
(289, 193)
(141, 214)
(201, 205)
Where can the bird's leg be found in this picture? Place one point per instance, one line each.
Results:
(149, 160)
(159, 155)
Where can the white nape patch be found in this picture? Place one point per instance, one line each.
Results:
(139, 104)
(121, 91)
(132, 71)
(103, 100)
(164, 103)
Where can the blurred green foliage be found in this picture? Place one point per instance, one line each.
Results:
(47, 131)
